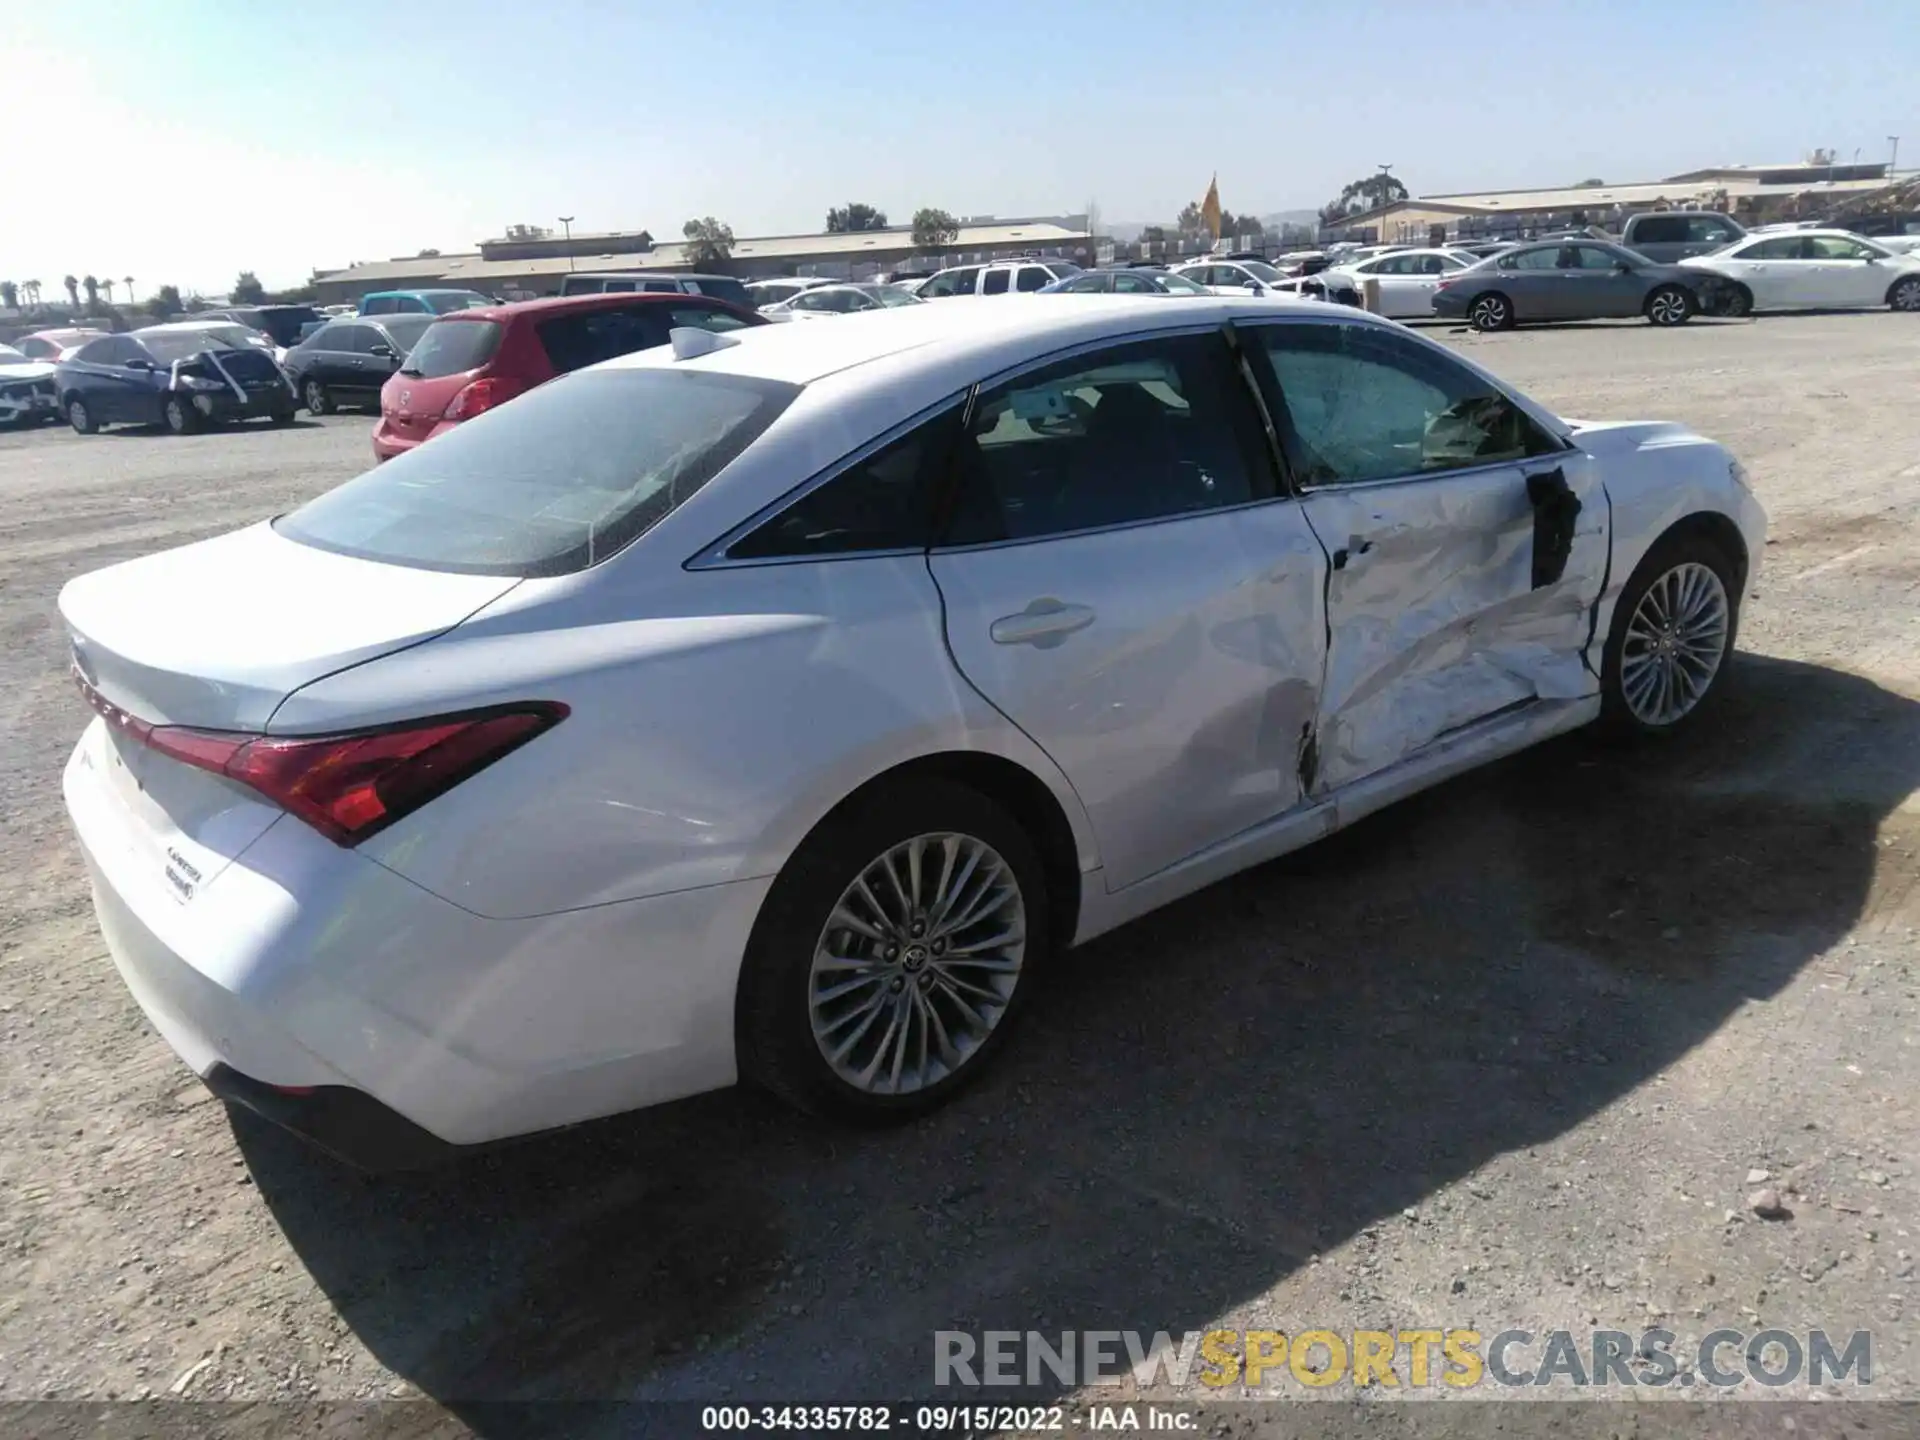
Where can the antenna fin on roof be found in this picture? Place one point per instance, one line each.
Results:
(690, 342)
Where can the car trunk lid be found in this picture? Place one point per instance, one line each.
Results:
(217, 634)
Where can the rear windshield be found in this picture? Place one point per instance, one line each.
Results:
(451, 346)
(406, 330)
(564, 476)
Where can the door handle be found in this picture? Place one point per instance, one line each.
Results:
(1044, 623)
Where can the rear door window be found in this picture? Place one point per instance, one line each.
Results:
(381, 305)
(952, 282)
(1031, 277)
(450, 347)
(1659, 230)
(1140, 431)
(565, 476)
(994, 282)
(573, 342)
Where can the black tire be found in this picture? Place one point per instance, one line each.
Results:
(1618, 716)
(1491, 311)
(80, 416)
(282, 415)
(773, 1029)
(1736, 302)
(177, 414)
(1905, 295)
(319, 400)
(1670, 305)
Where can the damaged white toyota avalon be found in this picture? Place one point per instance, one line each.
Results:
(776, 704)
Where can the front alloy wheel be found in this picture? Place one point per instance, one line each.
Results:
(1675, 644)
(1669, 305)
(1906, 295)
(917, 963)
(178, 414)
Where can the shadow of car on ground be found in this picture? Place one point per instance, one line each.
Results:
(1196, 1105)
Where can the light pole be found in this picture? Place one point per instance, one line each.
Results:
(567, 220)
(1893, 161)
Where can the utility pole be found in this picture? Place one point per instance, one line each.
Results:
(1893, 161)
(567, 220)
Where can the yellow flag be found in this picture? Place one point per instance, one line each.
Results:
(1210, 208)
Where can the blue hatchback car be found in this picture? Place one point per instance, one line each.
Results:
(422, 302)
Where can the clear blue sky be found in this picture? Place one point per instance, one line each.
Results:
(182, 141)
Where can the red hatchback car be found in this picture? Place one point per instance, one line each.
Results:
(472, 360)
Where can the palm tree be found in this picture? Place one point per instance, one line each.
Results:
(107, 285)
(129, 283)
(9, 294)
(32, 287)
(92, 287)
(73, 291)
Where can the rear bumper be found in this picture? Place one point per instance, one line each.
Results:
(348, 1124)
(389, 441)
(300, 966)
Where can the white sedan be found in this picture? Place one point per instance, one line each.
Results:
(777, 704)
(1813, 270)
(1408, 279)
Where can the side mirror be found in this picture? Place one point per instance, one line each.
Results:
(139, 364)
(1621, 267)
(385, 352)
(1253, 285)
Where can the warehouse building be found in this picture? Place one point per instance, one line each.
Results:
(526, 263)
(1752, 194)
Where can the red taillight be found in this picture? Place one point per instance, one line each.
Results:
(348, 787)
(482, 395)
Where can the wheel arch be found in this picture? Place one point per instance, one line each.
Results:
(1719, 531)
(1023, 794)
(1896, 283)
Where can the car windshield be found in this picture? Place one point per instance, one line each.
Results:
(564, 476)
(167, 346)
(892, 295)
(1260, 270)
(1180, 285)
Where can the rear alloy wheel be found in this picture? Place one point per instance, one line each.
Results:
(1736, 302)
(1669, 305)
(891, 955)
(1905, 295)
(80, 417)
(319, 402)
(1672, 635)
(178, 414)
(1490, 312)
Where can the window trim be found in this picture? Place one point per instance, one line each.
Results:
(1274, 396)
(713, 556)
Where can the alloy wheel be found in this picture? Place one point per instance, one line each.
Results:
(1906, 295)
(77, 415)
(1489, 313)
(1668, 307)
(917, 963)
(1675, 644)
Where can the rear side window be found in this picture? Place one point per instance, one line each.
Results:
(451, 346)
(883, 502)
(721, 288)
(994, 282)
(573, 342)
(383, 305)
(953, 282)
(1032, 277)
(1659, 230)
(566, 475)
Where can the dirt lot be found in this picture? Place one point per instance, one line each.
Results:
(1501, 1057)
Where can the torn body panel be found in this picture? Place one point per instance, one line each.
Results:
(1434, 617)
(1658, 475)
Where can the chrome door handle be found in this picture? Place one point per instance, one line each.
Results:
(1044, 623)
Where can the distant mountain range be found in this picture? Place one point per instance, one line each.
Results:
(1130, 229)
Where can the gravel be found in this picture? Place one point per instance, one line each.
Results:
(1499, 1057)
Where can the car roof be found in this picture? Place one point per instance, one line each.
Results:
(430, 290)
(802, 354)
(563, 304)
(178, 327)
(656, 275)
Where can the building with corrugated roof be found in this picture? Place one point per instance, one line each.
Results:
(527, 263)
(1753, 194)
